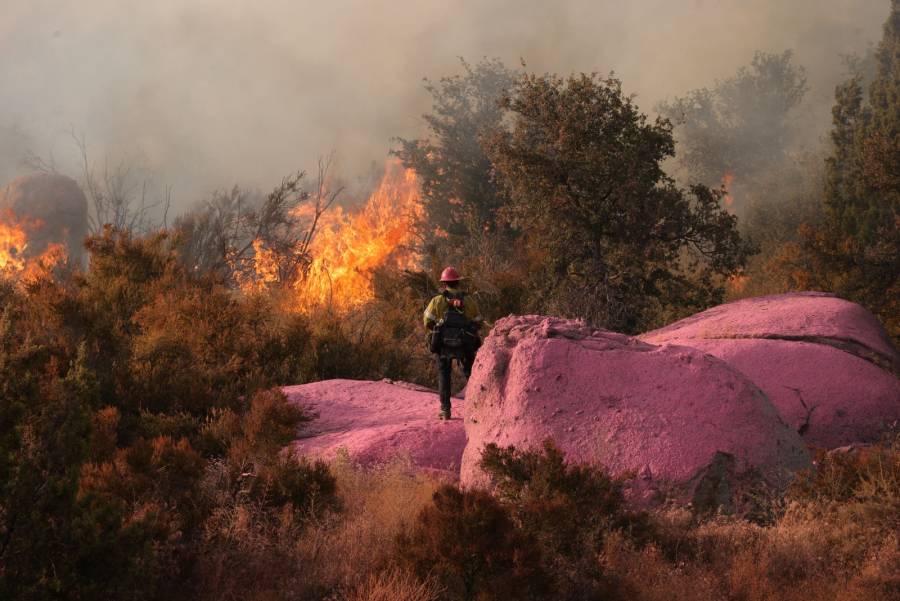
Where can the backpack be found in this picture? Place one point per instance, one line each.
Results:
(452, 336)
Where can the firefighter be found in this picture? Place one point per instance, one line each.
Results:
(454, 323)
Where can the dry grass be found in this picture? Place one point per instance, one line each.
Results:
(347, 551)
(816, 549)
(394, 585)
(815, 552)
(249, 553)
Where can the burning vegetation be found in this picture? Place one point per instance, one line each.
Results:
(344, 247)
(13, 242)
(303, 247)
(143, 423)
(349, 246)
(728, 199)
(16, 261)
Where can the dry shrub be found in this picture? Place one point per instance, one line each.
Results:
(815, 552)
(468, 541)
(270, 424)
(395, 585)
(250, 540)
(567, 510)
(245, 555)
(158, 469)
(377, 504)
(253, 550)
(104, 433)
(835, 540)
(383, 338)
(862, 474)
(879, 577)
(647, 575)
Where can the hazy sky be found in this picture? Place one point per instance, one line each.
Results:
(208, 93)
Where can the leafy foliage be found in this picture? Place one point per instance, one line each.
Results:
(619, 243)
(567, 509)
(743, 124)
(854, 252)
(463, 224)
(459, 196)
(467, 541)
(747, 134)
(125, 387)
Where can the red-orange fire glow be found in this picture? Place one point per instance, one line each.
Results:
(13, 242)
(349, 246)
(14, 261)
(727, 180)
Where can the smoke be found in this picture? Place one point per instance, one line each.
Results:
(209, 93)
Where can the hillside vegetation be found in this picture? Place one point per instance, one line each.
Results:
(143, 433)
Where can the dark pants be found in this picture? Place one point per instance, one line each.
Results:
(445, 368)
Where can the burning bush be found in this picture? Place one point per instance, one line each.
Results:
(49, 211)
(298, 242)
(17, 262)
(128, 362)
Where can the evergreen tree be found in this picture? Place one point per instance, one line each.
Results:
(863, 191)
(742, 125)
(617, 242)
(856, 254)
(459, 196)
(463, 222)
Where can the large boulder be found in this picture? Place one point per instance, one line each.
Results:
(378, 422)
(53, 206)
(825, 363)
(683, 421)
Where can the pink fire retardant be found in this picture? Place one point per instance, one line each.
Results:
(680, 420)
(377, 422)
(826, 364)
(691, 412)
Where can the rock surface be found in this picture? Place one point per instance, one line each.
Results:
(57, 202)
(377, 422)
(683, 421)
(691, 411)
(825, 363)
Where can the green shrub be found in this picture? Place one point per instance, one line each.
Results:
(468, 542)
(567, 509)
(300, 485)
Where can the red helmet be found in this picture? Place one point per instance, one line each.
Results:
(450, 275)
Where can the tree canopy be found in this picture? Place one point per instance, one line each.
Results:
(459, 195)
(618, 242)
(855, 252)
(743, 123)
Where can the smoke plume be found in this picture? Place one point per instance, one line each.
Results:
(209, 93)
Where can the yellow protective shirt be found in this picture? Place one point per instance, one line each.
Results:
(439, 305)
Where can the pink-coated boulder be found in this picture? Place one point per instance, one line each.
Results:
(816, 317)
(671, 415)
(377, 422)
(826, 363)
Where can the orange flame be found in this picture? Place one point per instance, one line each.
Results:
(15, 263)
(13, 242)
(349, 246)
(737, 283)
(727, 180)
